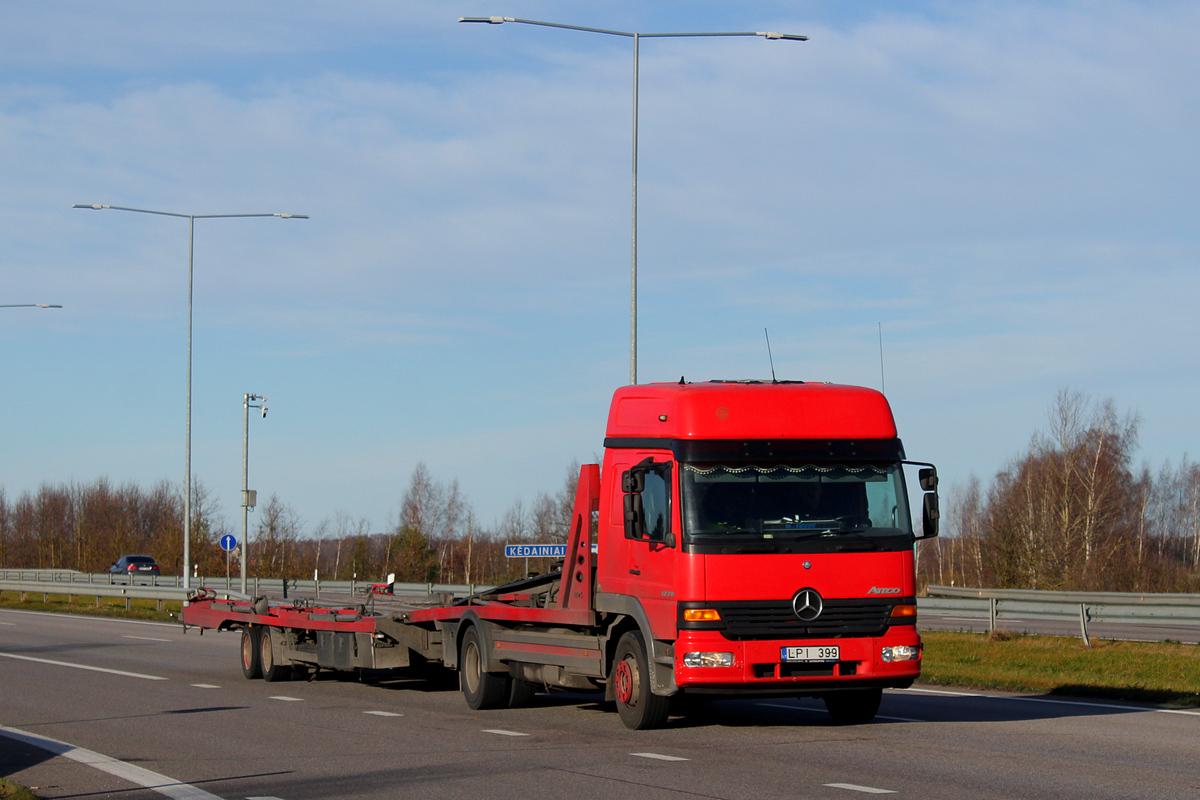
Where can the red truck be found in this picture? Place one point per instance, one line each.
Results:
(741, 539)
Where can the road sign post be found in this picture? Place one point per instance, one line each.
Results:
(229, 543)
(528, 551)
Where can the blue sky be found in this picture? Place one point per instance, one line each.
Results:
(1005, 190)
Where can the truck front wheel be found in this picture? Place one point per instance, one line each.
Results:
(853, 706)
(251, 666)
(483, 690)
(639, 707)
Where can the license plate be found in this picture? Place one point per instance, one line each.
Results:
(810, 654)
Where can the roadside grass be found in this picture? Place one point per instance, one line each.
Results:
(1165, 673)
(11, 791)
(108, 606)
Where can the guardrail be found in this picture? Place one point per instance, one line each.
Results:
(997, 604)
(102, 590)
(1126, 608)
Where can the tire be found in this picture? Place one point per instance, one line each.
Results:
(854, 706)
(639, 707)
(482, 690)
(251, 664)
(271, 671)
(520, 693)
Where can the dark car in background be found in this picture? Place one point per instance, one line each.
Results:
(135, 565)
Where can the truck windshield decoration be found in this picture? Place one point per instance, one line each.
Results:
(790, 503)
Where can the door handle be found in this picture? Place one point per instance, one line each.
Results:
(635, 572)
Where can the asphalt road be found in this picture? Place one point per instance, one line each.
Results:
(144, 704)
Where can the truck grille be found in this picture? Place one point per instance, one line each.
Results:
(774, 619)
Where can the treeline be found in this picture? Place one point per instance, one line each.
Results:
(1073, 513)
(437, 537)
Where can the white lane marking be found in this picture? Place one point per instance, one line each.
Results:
(134, 774)
(83, 666)
(8, 623)
(285, 698)
(1112, 706)
(262, 798)
(821, 711)
(206, 686)
(856, 788)
(499, 732)
(384, 713)
(659, 757)
(146, 638)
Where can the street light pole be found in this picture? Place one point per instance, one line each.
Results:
(187, 472)
(637, 37)
(249, 499)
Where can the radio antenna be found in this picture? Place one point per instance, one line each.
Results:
(882, 381)
(769, 356)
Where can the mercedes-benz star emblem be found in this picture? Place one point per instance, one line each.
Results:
(807, 604)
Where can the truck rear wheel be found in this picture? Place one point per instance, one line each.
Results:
(520, 693)
(483, 690)
(271, 671)
(251, 666)
(639, 707)
(853, 706)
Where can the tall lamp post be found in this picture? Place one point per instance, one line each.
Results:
(249, 498)
(187, 472)
(636, 39)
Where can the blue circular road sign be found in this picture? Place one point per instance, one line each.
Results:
(228, 542)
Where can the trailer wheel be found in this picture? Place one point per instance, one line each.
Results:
(854, 706)
(639, 707)
(482, 689)
(271, 671)
(251, 665)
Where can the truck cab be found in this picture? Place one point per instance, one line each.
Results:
(760, 533)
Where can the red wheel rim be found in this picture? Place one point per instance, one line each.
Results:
(624, 679)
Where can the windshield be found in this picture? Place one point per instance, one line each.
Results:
(792, 502)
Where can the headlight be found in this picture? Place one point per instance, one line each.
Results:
(708, 659)
(901, 652)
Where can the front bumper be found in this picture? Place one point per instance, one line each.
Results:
(757, 666)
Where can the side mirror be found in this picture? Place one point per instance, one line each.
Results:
(635, 515)
(930, 516)
(928, 478)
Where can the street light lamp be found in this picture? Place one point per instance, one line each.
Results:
(29, 305)
(249, 498)
(187, 473)
(636, 39)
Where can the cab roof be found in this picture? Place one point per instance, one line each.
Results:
(749, 410)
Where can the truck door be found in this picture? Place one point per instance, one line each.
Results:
(647, 489)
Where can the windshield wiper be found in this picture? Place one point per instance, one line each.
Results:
(844, 532)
